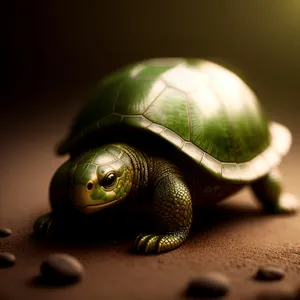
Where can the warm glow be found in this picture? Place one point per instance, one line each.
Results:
(185, 79)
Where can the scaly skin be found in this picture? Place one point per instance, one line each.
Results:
(136, 172)
(172, 200)
(172, 208)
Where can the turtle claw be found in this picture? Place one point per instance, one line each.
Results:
(152, 243)
(43, 226)
(147, 242)
(288, 204)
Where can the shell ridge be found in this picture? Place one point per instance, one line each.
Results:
(275, 128)
(258, 170)
(155, 99)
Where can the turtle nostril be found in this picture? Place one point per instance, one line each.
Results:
(89, 186)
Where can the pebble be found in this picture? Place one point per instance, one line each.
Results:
(269, 273)
(5, 232)
(61, 268)
(208, 285)
(7, 259)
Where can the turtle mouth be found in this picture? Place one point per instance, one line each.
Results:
(92, 208)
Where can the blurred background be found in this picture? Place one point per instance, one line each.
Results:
(55, 51)
(68, 44)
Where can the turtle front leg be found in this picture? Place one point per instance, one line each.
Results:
(47, 226)
(268, 190)
(173, 213)
(56, 221)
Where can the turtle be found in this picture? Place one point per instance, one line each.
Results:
(171, 134)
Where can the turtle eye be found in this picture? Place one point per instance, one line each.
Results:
(109, 180)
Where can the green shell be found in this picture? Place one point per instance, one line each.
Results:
(198, 106)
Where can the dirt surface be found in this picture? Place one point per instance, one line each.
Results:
(234, 239)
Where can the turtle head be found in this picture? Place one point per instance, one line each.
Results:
(100, 178)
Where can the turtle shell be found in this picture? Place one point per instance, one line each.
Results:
(200, 107)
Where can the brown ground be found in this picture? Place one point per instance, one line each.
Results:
(235, 239)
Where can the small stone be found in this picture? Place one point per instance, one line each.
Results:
(5, 232)
(269, 273)
(7, 259)
(61, 268)
(208, 285)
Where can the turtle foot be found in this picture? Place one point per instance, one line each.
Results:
(152, 243)
(287, 204)
(43, 226)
